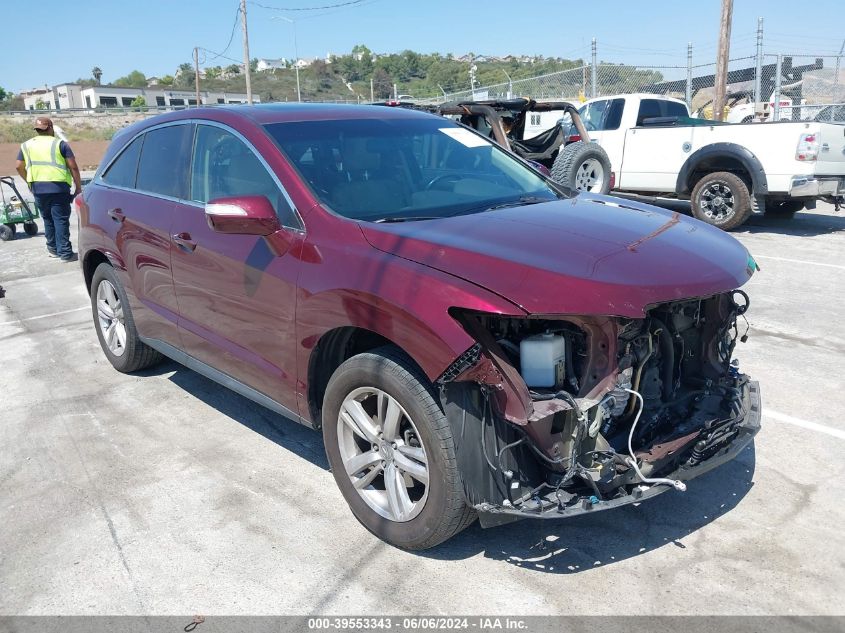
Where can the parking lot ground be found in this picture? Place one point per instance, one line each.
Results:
(163, 493)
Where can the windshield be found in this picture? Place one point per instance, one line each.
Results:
(406, 169)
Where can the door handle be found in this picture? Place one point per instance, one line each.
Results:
(184, 241)
(116, 215)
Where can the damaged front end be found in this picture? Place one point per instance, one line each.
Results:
(557, 416)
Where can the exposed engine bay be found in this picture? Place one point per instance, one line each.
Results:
(558, 416)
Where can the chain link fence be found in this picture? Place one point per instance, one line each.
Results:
(771, 87)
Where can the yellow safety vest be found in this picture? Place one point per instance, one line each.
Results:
(44, 161)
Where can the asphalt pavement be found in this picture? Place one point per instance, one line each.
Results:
(163, 493)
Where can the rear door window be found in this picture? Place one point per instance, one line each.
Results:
(653, 108)
(122, 171)
(162, 168)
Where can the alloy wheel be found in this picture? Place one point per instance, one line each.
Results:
(717, 202)
(110, 318)
(383, 454)
(590, 176)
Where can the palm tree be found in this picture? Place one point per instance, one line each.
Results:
(96, 73)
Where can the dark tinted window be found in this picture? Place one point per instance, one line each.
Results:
(651, 108)
(224, 166)
(613, 118)
(122, 171)
(162, 166)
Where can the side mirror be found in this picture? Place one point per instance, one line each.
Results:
(242, 215)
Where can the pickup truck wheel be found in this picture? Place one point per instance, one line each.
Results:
(721, 199)
(391, 451)
(583, 166)
(783, 208)
(115, 326)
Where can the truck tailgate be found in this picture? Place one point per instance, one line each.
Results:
(831, 161)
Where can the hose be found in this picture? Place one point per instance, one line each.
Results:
(636, 383)
(675, 483)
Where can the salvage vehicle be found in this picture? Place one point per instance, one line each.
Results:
(563, 150)
(472, 338)
(727, 171)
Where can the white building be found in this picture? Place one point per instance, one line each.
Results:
(75, 96)
(271, 64)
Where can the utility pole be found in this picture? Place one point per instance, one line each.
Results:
(689, 76)
(295, 52)
(197, 73)
(834, 97)
(721, 83)
(593, 92)
(372, 95)
(758, 97)
(246, 54)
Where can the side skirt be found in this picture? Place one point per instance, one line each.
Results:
(223, 379)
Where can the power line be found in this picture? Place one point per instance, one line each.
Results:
(231, 36)
(327, 6)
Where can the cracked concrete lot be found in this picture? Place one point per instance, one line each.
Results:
(163, 493)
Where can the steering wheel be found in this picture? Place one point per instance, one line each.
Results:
(441, 178)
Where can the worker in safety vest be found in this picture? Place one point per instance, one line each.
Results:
(49, 167)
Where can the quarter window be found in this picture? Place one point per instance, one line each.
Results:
(160, 169)
(122, 171)
(223, 166)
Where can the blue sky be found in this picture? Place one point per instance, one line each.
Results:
(155, 36)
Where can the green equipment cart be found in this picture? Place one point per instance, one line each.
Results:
(14, 211)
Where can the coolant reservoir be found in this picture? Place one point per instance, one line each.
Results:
(542, 360)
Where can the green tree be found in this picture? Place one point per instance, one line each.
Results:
(135, 79)
(167, 80)
(97, 74)
(3, 94)
(253, 64)
(323, 74)
(233, 69)
(382, 84)
(213, 72)
(185, 75)
(139, 102)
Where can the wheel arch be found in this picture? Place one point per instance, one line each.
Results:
(332, 349)
(729, 157)
(94, 258)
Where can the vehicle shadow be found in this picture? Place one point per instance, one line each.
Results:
(559, 546)
(288, 434)
(803, 224)
(584, 542)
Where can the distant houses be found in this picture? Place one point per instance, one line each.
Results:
(76, 96)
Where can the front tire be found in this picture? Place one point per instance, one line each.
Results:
(721, 199)
(115, 326)
(30, 228)
(583, 167)
(391, 451)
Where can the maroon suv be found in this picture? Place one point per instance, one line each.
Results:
(473, 339)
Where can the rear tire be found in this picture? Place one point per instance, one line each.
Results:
(403, 438)
(721, 199)
(30, 228)
(7, 232)
(115, 326)
(583, 167)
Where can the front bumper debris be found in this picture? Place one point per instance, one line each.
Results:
(550, 505)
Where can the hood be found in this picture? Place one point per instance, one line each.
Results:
(586, 255)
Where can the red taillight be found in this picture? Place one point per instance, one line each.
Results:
(612, 180)
(573, 138)
(808, 147)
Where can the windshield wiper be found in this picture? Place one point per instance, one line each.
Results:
(519, 202)
(405, 218)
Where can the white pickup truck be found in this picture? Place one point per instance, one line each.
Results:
(727, 171)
